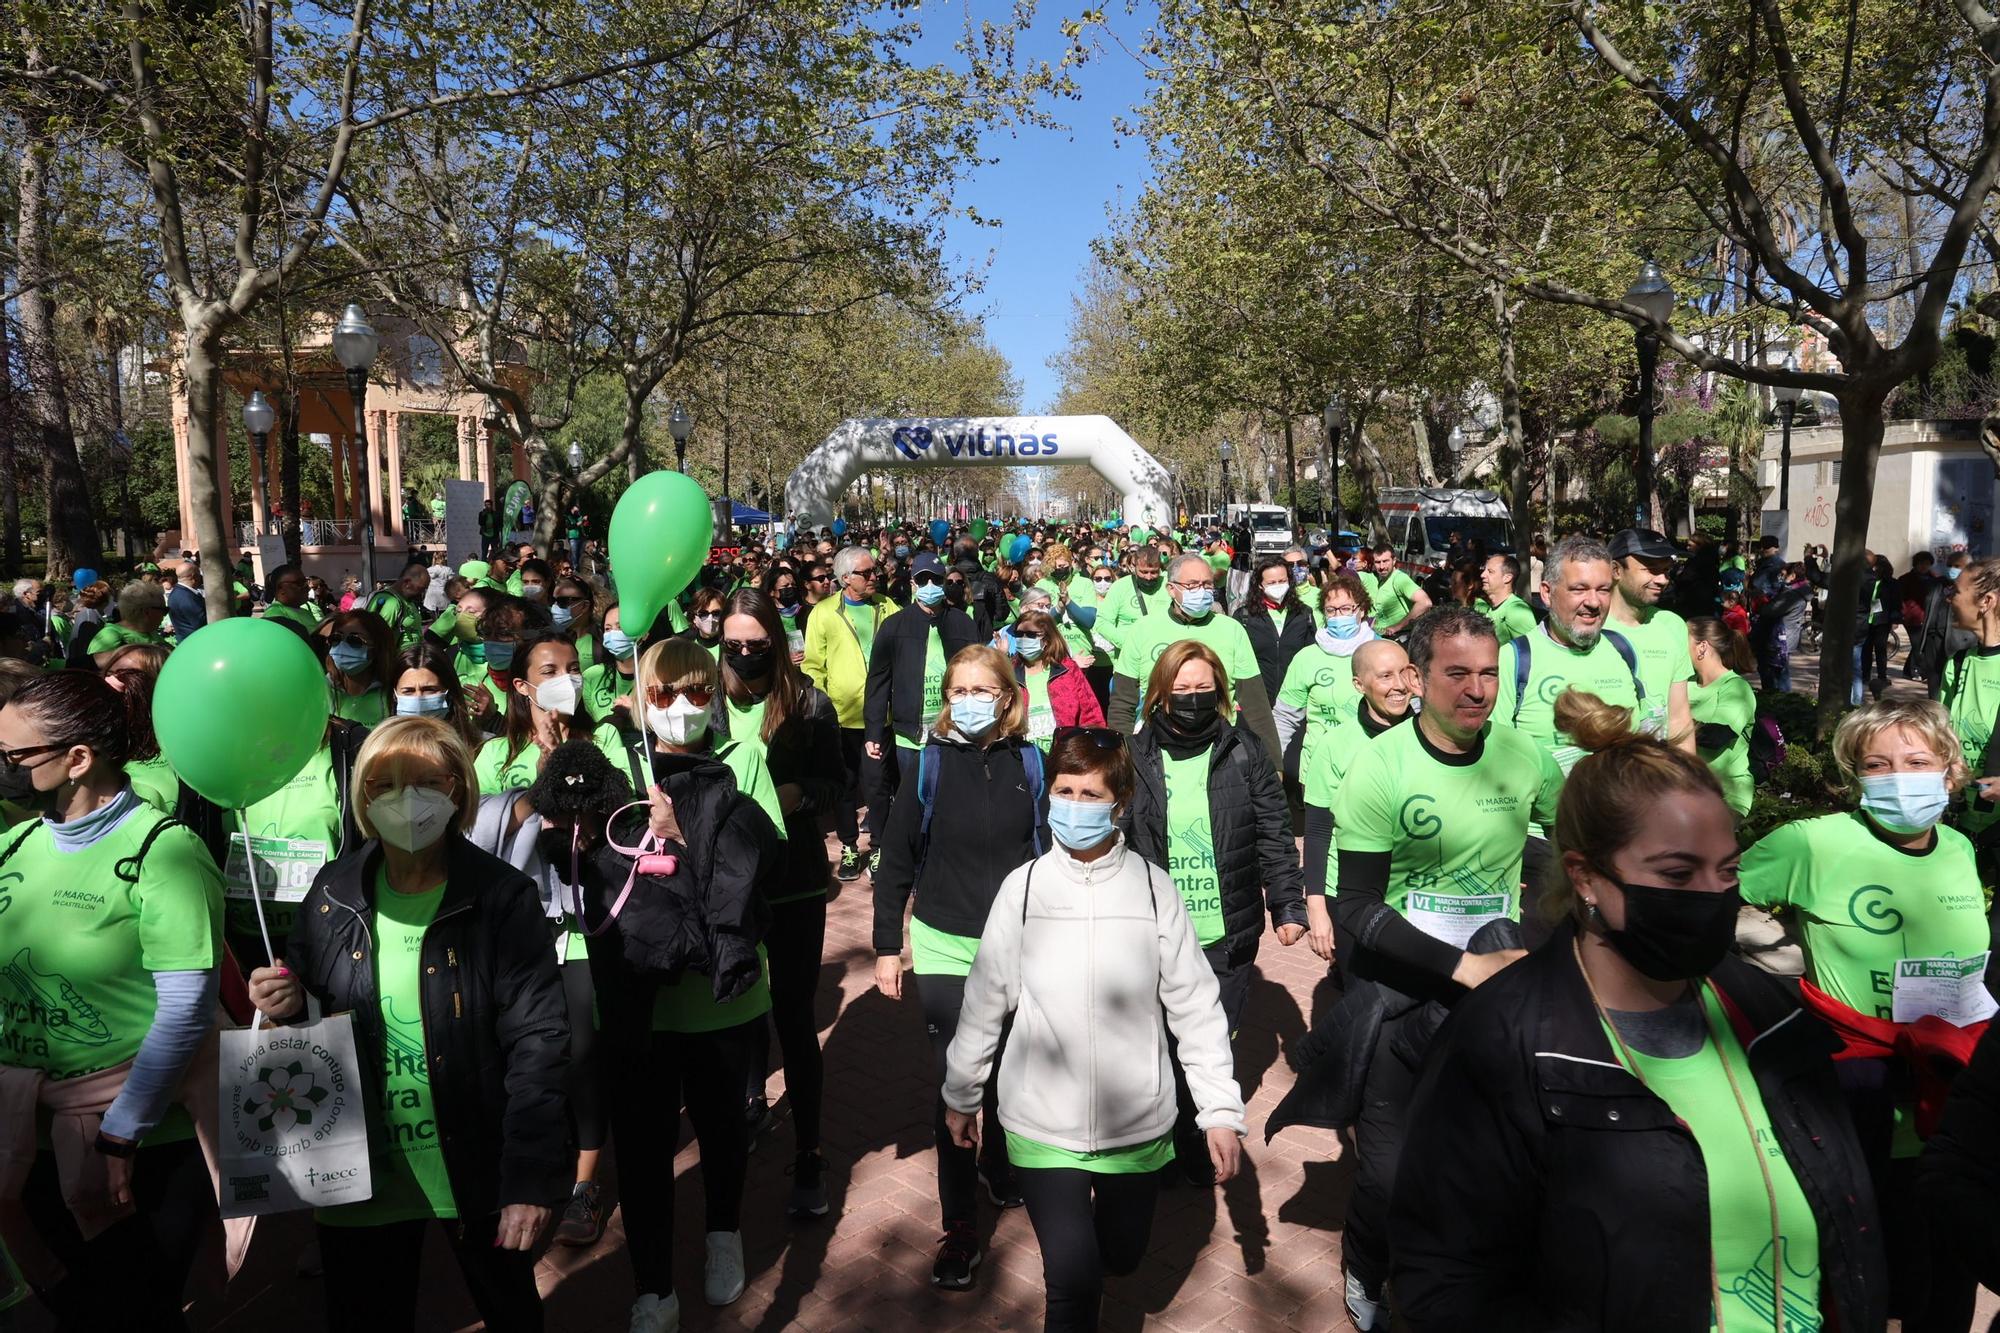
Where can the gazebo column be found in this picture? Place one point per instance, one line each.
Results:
(482, 434)
(465, 431)
(378, 502)
(391, 429)
(181, 465)
(337, 448)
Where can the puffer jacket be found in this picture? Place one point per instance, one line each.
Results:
(834, 659)
(496, 1031)
(1090, 957)
(1071, 699)
(1256, 862)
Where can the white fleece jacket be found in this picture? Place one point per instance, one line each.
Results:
(1097, 961)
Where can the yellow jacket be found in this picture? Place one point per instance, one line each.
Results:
(834, 659)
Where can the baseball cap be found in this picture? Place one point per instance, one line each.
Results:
(926, 561)
(1642, 542)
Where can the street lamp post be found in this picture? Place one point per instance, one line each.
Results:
(354, 346)
(1225, 452)
(1651, 292)
(258, 418)
(1335, 420)
(1455, 443)
(1788, 404)
(680, 425)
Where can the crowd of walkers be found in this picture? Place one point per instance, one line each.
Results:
(1599, 1061)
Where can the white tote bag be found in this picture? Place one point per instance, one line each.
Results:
(294, 1123)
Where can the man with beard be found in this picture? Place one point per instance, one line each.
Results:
(1572, 650)
(1644, 561)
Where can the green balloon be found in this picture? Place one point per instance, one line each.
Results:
(979, 529)
(660, 535)
(239, 708)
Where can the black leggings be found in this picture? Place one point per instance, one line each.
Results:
(586, 1078)
(371, 1275)
(1233, 980)
(1088, 1224)
(1378, 1146)
(793, 945)
(958, 1168)
(1319, 844)
(133, 1274)
(846, 820)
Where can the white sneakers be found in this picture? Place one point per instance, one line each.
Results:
(1367, 1314)
(650, 1314)
(722, 1276)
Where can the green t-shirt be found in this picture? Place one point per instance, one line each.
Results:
(404, 619)
(1697, 1089)
(1150, 637)
(687, 1004)
(497, 771)
(1661, 643)
(1332, 758)
(1454, 830)
(367, 708)
(1391, 598)
(1041, 714)
(1552, 668)
(933, 953)
(156, 782)
(1124, 606)
(862, 618)
(934, 664)
(1511, 619)
(117, 636)
(407, 1163)
(1863, 905)
(603, 687)
(1319, 684)
(746, 721)
(1191, 843)
(1081, 594)
(1134, 1159)
(298, 615)
(297, 829)
(78, 941)
(745, 757)
(1971, 694)
(1730, 702)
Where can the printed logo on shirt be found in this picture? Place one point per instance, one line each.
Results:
(1758, 1288)
(7, 881)
(1869, 908)
(1416, 818)
(44, 1005)
(1550, 687)
(81, 899)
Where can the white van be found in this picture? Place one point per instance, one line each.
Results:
(1270, 527)
(1421, 521)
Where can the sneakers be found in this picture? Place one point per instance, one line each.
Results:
(757, 1117)
(808, 1186)
(583, 1220)
(958, 1254)
(651, 1314)
(1366, 1313)
(1000, 1188)
(849, 869)
(722, 1276)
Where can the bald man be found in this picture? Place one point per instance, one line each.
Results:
(185, 607)
(1384, 680)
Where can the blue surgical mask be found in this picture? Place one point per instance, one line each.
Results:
(1080, 825)
(619, 644)
(1343, 627)
(422, 705)
(347, 657)
(975, 717)
(1197, 602)
(499, 653)
(1905, 803)
(562, 616)
(1953, 571)
(928, 594)
(902, 551)
(1028, 646)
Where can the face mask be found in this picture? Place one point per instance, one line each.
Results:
(422, 705)
(348, 658)
(1675, 934)
(1149, 586)
(1953, 573)
(561, 616)
(558, 694)
(468, 627)
(707, 626)
(929, 594)
(1904, 802)
(533, 591)
(1102, 585)
(619, 644)
(411, 818)
(1298, 573)
(1029, 647)
(1192, 706)
(499, 654)
(1197, 602)
(750, 666)
(17, 784)
(902, 551)
(1079, 825)
(1343, 627)
(1274, 593)
(1063, 573)
(679, 723)
(955, 593)
(974, 717)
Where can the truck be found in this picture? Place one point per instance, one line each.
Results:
(1270, 527)
(1422, 520)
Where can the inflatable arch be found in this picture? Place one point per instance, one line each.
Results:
(883, 444)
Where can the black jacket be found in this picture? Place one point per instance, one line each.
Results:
(1958, 1177)
(896, 668)
(982, 826)
(211, 823)
(496, 1030)
(709, 915)
(1543, 1189)
(805, 751)
(1256, 862)
(1275, 651)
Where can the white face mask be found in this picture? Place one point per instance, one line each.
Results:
(558, 694)
(1275, 592)
(411, 818)
(679, 723)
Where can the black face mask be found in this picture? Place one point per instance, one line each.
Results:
(954, 593)
(1147, 586)
(750, 666)
(17, 784)
(1190, 719)
(1674, 934)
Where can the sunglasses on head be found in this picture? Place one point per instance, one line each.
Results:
(660, 696)
(1104, 738)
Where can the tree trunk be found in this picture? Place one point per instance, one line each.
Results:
(288, 478)
(1292, 476)
(201, 367)
(1861, 426)
(10, 486)
(1520, 477)
(72, 527)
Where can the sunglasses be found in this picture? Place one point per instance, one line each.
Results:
(660, 696)
(741, 646)
(819, 578)
(1103, 738)
(927, 579)
(353, 641)
(572, 602)
(14, 757)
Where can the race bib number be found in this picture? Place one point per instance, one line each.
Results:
(1953, 989)
(285, 867)
(1455, 919)
(796, 642)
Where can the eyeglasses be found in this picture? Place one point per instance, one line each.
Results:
(660, 696)
(742, 646)
(1104, 738)
(983, 693)
(377, 787)
(1188, 587)
(14, 757)
(927, 579)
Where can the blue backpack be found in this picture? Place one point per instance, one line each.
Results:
(1523, 653)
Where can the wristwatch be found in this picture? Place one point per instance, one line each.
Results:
(115, 1147)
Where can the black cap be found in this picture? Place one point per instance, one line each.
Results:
(924, 562)
(1642, 542)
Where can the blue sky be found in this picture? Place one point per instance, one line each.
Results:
(1050, 189)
